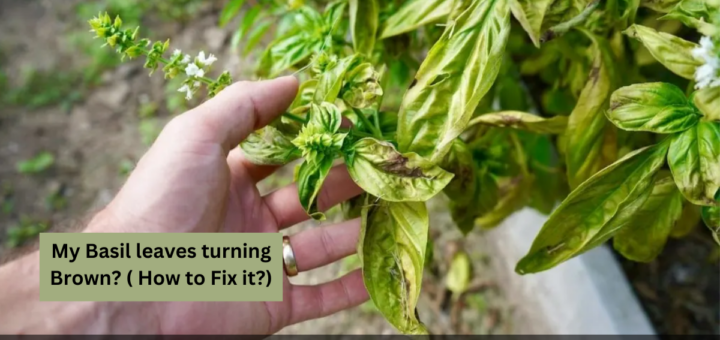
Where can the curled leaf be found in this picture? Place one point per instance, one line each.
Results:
(332, 75)
(269, 146)
(530, 14)
(382, 171)
(310, 176)
(590, 207)
(362, 86)
(392, 245)
(523, 121)
(652, 107)
(457, 73)
(673, 52)
(694, 160)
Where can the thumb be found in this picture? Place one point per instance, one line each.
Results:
(243, 108)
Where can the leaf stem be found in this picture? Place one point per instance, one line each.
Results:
(376, 132)
(294, 117)
(562, 28)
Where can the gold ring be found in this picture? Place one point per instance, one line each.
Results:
(289, 262)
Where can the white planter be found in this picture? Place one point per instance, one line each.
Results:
(586, 295)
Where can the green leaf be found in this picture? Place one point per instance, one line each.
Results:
(652, 107)
(256, 35)
(318, 139)
(513, 194)
(694, 160)
(592, 206)
(711, 217)
(662, 6)
(644, 238)
(37, 164)
(331, 78)
(414, 14)
(364, 21)
(229, 12)
(269, 146)
(382, 171)
(325, 115)
(248, 21)
(707, 101)
(523, 121)
(392, 247)
(459, 161)
(310, 176)
(587, 124)
(530, 14)
(459, 274)
(673, 52)
(689, 219)
(694, 13)
(305, 36)
(457, 73)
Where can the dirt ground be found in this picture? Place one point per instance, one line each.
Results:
(95, 139)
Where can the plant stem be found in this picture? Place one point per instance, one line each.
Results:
(562, 28)
(294, 117)
(375, 131)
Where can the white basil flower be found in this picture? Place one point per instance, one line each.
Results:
(206, 61)
(187, 90)
(707, 74)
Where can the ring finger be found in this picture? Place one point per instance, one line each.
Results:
(317, 247)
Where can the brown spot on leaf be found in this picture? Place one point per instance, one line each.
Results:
(398, 165)
(510, 120)
(595, 74)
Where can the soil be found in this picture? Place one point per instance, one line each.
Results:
(95, 138)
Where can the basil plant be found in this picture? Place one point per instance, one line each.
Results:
(603, 114)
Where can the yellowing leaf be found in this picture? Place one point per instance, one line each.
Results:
(457, 73)
(694, 160)
(364, 24)
(707, 101)
(653, 107)
(530, 14)
(673, 52)
(590, 207)
(523, 121)
(269, 146)
(392, 247)
(414, 14)
(460, 273)
(689, 219)
(644, 238)
(382, 171)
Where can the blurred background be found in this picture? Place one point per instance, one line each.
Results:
(74, 120)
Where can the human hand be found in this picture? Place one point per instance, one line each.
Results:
(195, 179)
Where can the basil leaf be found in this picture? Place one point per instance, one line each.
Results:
(364, 17)
(523, 121)
(392, 247)
(305, 95)
(695, 14)
(694, 160)
(587, 126)
(711, 217)
(590, 207)
(689, 219)
(457, 73)
(269, 146)
(707, 101)
(662, 6)
(229, 12)
(382, 171)
(458, 277)
(325, 115)
(310, 176)
(352, 208)
(644, 238)
(513, 194)
(673, 52)
(652, 107)
(414, 14)
(460, 162)
(331, 78)
(362, 86)
(530, 14)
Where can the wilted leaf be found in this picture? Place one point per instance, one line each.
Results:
(382, 171)
(414, 14)
(644, 238)
(707, 101)
(483, 198)
(459, 274)
(662, 6)
(694, 160)
(652, 107)
(364, 17)
(392, 247)
(590, 207)
(673, 52)
(587, 124)
(711, 217)
(523, 121)
(269, 146)
(457, 73)
(512, 195)
(361, 88)
(530, 14)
